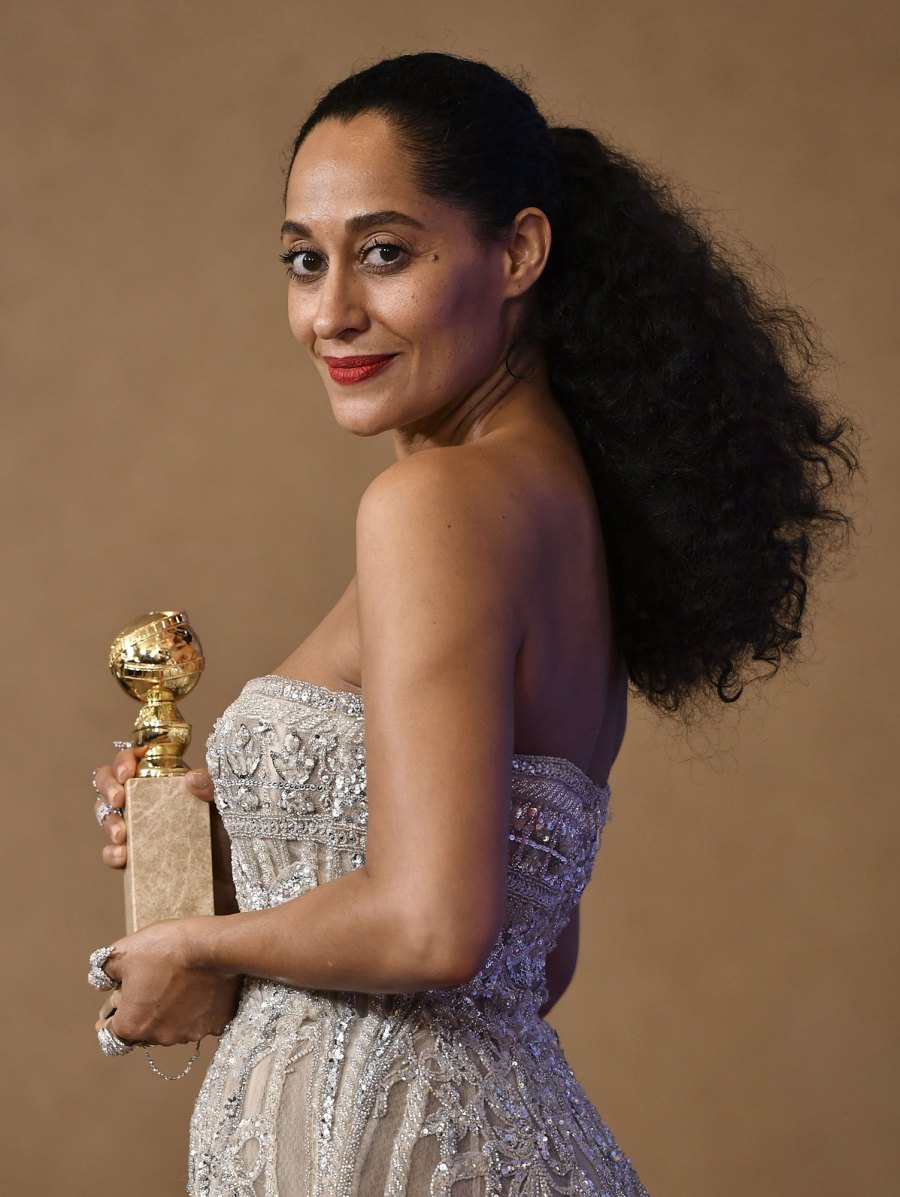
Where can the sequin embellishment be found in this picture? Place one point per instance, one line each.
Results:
(451, 1092)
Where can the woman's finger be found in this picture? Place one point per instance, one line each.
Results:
(110, 790)
(125, 763)
(107, 787)
(114, 856)
(110, 800)
(121, 1031)
(109, 779)
(111, 822)
(200, 784)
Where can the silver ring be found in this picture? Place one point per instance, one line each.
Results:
(111, 1044)
(105, 809)
(120, 744)
(98, 976)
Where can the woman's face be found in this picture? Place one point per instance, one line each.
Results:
(378, 270)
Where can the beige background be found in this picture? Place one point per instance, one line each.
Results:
(164, 444)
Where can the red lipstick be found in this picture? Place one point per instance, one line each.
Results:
(351, 368)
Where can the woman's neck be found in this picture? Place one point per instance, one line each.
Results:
(501, 394)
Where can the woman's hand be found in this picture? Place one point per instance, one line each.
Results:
(109, 784)
(165, 998)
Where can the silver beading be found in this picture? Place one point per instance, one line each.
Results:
(98, 976)
(120, 744)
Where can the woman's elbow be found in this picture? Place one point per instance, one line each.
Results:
(450, 954)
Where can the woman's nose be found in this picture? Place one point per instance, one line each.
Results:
(340, 306)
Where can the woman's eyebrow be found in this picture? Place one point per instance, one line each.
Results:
(358, 224)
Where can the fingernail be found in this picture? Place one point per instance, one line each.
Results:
(122, 772)
(117, 835)
(118, 853)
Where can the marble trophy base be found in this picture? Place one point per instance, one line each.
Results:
(169, 870)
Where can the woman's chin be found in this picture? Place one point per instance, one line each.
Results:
(359, 419)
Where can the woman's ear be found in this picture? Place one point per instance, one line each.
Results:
(528, 246)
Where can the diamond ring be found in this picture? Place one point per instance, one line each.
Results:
(111, 1044)
(105, 809)
(98, 976)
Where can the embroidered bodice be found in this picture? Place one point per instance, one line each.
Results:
(462, 1090)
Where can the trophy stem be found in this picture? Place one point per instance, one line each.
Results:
(161, 725)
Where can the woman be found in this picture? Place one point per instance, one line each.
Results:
(611, 467)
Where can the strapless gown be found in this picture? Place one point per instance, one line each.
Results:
(463, 1091)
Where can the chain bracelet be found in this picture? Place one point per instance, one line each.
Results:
(178, 1075)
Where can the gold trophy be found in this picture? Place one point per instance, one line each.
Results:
(157, 658)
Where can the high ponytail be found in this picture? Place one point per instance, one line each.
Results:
(692, 395)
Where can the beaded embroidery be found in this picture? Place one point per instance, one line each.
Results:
(459, 1092)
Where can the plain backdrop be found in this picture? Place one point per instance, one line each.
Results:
(164, 444)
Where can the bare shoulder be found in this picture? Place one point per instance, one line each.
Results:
(450, 512)
(459, 486)
(441, 602)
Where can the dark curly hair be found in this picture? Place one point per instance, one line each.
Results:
(690, 391)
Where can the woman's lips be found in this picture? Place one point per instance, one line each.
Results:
(351, 368)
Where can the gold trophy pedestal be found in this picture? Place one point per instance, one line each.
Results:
(157, 659)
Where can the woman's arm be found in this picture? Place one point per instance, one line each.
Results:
(440, 593)
(561, 963)
(439, 633)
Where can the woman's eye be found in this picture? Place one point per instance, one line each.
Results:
(307, 265)
(382, 255)
(302, 263)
